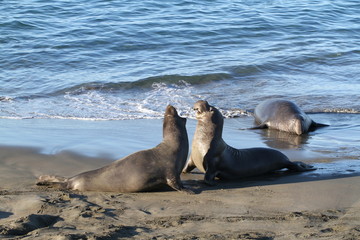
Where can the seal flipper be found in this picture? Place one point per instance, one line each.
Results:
(320, 125)
(300, 167)
(315, 125)
(189, 166)
(261, 126)
(209, 178)
(210, 169)
(176, 184)
(52, 181)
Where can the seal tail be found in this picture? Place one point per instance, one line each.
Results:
(52, 181)
(300, 167)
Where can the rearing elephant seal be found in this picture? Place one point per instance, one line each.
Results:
(141, 170)
(211, 155)
(285, 116)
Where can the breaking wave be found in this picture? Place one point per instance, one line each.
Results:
(147, 83)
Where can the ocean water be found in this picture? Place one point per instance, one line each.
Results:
(120, 60)
(95, 76)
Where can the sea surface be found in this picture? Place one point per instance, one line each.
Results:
(118, 60)
(78, 74)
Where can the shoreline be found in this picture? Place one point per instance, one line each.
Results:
(114, 139)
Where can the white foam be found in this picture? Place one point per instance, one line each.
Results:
(99, 104)
(341, 110)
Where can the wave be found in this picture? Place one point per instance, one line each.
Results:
(141, 115)
(5, 99)
(146, 83)
(147, 99)
(340, 110)
(234, 113)
(95, 107)
(92, 104)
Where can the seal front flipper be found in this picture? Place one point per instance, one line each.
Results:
(177, 185)
(209, 178)
(210, 172)
(190, 165)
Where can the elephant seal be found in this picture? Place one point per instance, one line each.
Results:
(211, 155)
(140, 171)
(285, 116)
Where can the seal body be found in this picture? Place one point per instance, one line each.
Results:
(211, 155)
(285, 116)
(141, 170)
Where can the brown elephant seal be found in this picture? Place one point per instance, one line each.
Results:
(140, 171)
(211, 155)
(285, 116)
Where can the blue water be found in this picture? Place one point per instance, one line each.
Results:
(106, 60)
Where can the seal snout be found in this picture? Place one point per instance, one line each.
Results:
(201, 106)
(171, 111)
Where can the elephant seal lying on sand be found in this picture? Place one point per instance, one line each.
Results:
(141, 170)
(211, 155)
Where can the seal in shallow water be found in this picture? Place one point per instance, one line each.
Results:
(285, 116)
(139, 171)
(211, 155)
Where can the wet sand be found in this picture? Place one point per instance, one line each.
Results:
(323, 204)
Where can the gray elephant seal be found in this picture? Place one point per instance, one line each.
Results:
(140, 171)
(285, 116)
(211, 155)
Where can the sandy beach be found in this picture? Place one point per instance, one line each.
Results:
(323, 204)
(277, 206)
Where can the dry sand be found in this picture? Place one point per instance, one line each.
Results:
(278, 206)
